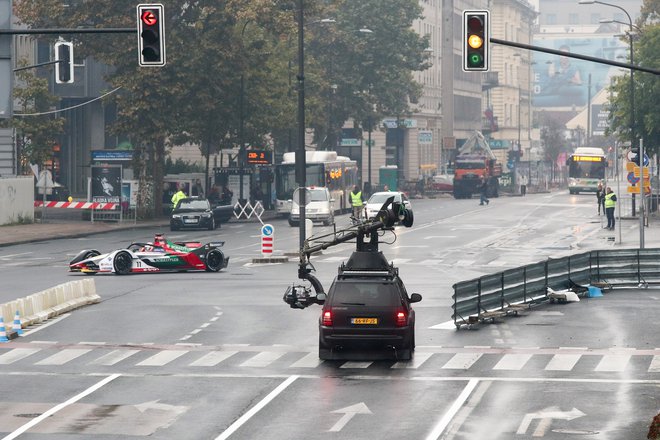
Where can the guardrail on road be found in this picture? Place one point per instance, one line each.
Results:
(508, 292)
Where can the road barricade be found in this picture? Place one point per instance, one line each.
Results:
(508, 292)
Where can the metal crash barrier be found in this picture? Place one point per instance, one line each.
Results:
(508, 292)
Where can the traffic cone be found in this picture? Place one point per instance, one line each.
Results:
(17, 324)
(3, 331)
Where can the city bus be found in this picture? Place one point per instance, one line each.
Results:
(323, 168)
(586, 169)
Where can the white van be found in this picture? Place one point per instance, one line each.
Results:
(321, 207)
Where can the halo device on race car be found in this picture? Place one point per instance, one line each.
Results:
(367, 307)
(161, 255)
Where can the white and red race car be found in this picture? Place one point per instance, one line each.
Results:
(161, 255)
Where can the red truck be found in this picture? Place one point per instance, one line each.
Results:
(475, 161)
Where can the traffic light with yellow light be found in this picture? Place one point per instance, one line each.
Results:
(151, 35)
(476, 47)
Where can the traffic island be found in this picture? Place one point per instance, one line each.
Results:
(266, 260)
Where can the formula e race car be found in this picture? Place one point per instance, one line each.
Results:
(161, 255)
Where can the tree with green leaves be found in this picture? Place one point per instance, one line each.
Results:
(37, 129)
(230, 73)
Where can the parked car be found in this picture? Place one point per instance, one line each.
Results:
(377, 199)
(196, 212)
(321, 207)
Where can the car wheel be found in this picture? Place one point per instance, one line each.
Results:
(292, 223)
(404, 354)
(408, 220)
(329, 221)
(91, 254)
(212, 224)
(173, 228)
(214, 260)
(122, 263)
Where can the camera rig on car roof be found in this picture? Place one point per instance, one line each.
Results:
(366, 260)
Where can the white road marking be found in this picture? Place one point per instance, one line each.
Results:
(213, 358)
(2, 257)
(355, 364)
(114, 357)
(451, 412)
(563, 362)
(255, 409)
(430, 262)
(43, 326)
(332, 259)
(655, 364)
(512, 362)
(311, 360)
(162, 358)
(462, 361)
(57, 408)
(400, 260)
(17, 354)
(613, 363)
(416, 361)
(64, 356)
(262, 359)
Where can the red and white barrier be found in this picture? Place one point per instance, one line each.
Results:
(79, 205)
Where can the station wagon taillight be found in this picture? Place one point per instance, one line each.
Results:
(401, 318)
(327, 318)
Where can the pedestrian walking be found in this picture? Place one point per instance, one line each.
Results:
(600, 197)
(523, 185)
(484, 192)
(610, 204)
(357, 202)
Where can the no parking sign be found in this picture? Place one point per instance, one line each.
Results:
(267, 240)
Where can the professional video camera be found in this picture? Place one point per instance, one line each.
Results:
(366, 235)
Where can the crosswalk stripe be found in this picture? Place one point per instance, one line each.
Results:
(512, 362)
(400, 260)
(114, 357)
(355, 364)
(162, 358)
(563, 362)
(16, 355)
(262, 359)
(311, 360)
(613, 362)
(416, 361)
(213, 358)
(430, 262)
(64, 356)
(655, 365)
(462, 361)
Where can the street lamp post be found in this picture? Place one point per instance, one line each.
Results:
(633, 140)
(300, 152)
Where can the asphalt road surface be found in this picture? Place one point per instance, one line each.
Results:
(221, 356)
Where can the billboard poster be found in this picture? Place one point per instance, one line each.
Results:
(106, 183)
(562, 83)
(599, 119)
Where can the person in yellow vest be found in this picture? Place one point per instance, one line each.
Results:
(178, 196)
(610, 203)
(356, 202)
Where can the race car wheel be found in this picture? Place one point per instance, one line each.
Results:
(122, 263)
(214, 260)
(91, 254)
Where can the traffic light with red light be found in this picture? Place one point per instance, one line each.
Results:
(64, 65)
(476, 47)
(151, 35)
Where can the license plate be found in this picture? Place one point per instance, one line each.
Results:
(189, 220)
(362, 321)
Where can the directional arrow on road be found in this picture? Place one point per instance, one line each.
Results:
(349, 412)
(546, 417)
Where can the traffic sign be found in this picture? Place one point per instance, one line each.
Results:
(632, 178)
(646, 172)
(267, 240)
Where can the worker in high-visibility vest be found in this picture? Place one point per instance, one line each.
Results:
(610, 204)
(356, 202)
(178, 196)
